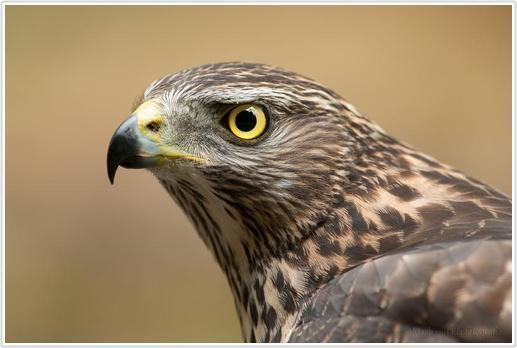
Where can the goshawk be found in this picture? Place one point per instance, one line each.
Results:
(327, 228)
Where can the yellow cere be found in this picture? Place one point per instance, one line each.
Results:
(148, 113)
(260, 121)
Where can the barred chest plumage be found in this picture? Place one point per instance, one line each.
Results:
(266, 311)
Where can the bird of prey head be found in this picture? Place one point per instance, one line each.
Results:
(290, 187)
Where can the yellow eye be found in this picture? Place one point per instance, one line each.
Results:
(247, 121)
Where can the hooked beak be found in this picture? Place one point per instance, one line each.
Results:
(137, 143)
(126, 149)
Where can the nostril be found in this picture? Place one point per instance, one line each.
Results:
(153, 126)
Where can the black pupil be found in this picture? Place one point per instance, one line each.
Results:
(245, 120)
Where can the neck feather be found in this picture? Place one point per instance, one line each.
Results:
(383, 203)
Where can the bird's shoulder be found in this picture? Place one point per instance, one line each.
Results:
(442, 290)
(446, 278)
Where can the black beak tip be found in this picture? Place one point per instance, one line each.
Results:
(112, 163)
(112, 170)
(122, 146)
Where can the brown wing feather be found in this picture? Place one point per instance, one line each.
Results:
(446, 291)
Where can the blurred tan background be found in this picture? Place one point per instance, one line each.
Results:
(91, 262)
